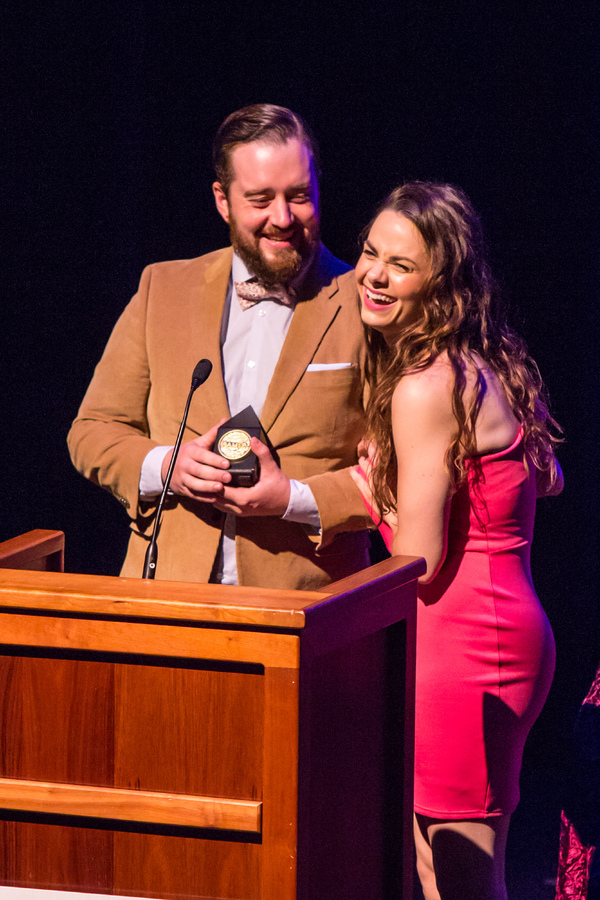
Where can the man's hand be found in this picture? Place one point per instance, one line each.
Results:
(199, 473)
(270, 496)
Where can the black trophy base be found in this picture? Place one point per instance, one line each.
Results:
(233, 443)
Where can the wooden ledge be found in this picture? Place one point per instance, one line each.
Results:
(130, 806)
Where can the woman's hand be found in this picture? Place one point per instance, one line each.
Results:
(362, 477)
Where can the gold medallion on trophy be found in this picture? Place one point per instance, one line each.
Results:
(234, 445)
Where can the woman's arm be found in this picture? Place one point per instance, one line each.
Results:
(423, 426)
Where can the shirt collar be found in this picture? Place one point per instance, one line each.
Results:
(239, 269)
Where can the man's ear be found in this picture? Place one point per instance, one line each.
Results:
(221, 200)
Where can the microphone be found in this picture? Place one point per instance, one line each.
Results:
(199, 376)
(201, 373)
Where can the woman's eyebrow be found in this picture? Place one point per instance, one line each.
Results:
(391, 258)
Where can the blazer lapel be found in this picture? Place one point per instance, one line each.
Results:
(208, 299)
(311, 320)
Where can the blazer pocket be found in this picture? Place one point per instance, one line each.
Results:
(327, 413)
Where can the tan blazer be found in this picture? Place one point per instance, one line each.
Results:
(314, 420)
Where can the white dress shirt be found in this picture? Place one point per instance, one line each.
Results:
(251, 342)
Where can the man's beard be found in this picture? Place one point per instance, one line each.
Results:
(288, 263)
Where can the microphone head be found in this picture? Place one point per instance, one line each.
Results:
(201, 372)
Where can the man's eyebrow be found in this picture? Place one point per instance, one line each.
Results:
(260, 193)
(391, 259)
(295, 188)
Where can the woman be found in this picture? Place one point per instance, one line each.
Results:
(464, 441)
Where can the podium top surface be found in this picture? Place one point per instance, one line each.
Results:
(97, 595)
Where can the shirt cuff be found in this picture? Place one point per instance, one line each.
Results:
(151, 483)
(302, 507)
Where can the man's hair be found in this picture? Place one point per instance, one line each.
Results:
(259, 122)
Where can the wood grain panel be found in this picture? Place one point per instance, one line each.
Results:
(180, 868)
(194, 731)
(131, 806)
(56, 857)
(56, 720)
(159, 640)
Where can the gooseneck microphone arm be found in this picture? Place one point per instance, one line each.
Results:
(200, 374)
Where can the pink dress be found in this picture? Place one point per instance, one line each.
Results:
(485, 650)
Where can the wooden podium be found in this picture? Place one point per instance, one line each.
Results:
(174, 740)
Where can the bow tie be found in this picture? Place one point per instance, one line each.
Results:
(251, 292)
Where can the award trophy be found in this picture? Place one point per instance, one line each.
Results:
(233, 443)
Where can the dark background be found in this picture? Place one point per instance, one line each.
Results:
(109, 112)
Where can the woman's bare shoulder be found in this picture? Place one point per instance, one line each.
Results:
(434, 378)
(426, 393)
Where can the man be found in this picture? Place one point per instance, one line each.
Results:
(276, 314)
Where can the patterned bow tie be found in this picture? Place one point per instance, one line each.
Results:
(251, 292)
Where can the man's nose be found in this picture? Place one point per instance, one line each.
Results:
(281, 215)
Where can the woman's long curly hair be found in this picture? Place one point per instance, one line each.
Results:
(463, 317)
